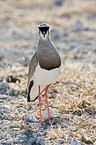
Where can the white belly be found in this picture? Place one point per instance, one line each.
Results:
(43, 78)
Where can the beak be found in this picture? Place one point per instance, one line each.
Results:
(43, 33)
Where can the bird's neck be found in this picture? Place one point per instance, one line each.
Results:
(44, 40)
(44, 45)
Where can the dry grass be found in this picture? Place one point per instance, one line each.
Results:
(77, 8)
(74, 97)
(79, 84)
(29, 3)
(23, 12)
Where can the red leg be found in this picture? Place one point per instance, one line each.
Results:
(40, 105)
(47, 100)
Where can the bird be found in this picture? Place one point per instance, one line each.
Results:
(44, 67)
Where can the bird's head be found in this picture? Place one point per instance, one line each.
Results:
(44, 31)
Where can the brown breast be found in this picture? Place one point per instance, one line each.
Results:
(48, 56)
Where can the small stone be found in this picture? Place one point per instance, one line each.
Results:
(27, 117)
(66, 32)
(12, 92)
(3, 85)
(12, 79)
(45, 113)
(1, 57)
(33, 119)
(58, 2)
(69, 82)
(78, 26)
(75, 142)
(26, 61)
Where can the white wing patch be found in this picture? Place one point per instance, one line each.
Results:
(43, 78)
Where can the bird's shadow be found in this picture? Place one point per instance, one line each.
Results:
(53, 121)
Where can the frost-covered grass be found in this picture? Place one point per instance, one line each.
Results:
(72, 98)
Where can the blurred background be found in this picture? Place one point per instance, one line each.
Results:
(72, 22)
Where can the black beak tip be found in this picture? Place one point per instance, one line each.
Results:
(44, 35)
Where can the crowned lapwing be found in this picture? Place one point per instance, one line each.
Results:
(44, 67)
